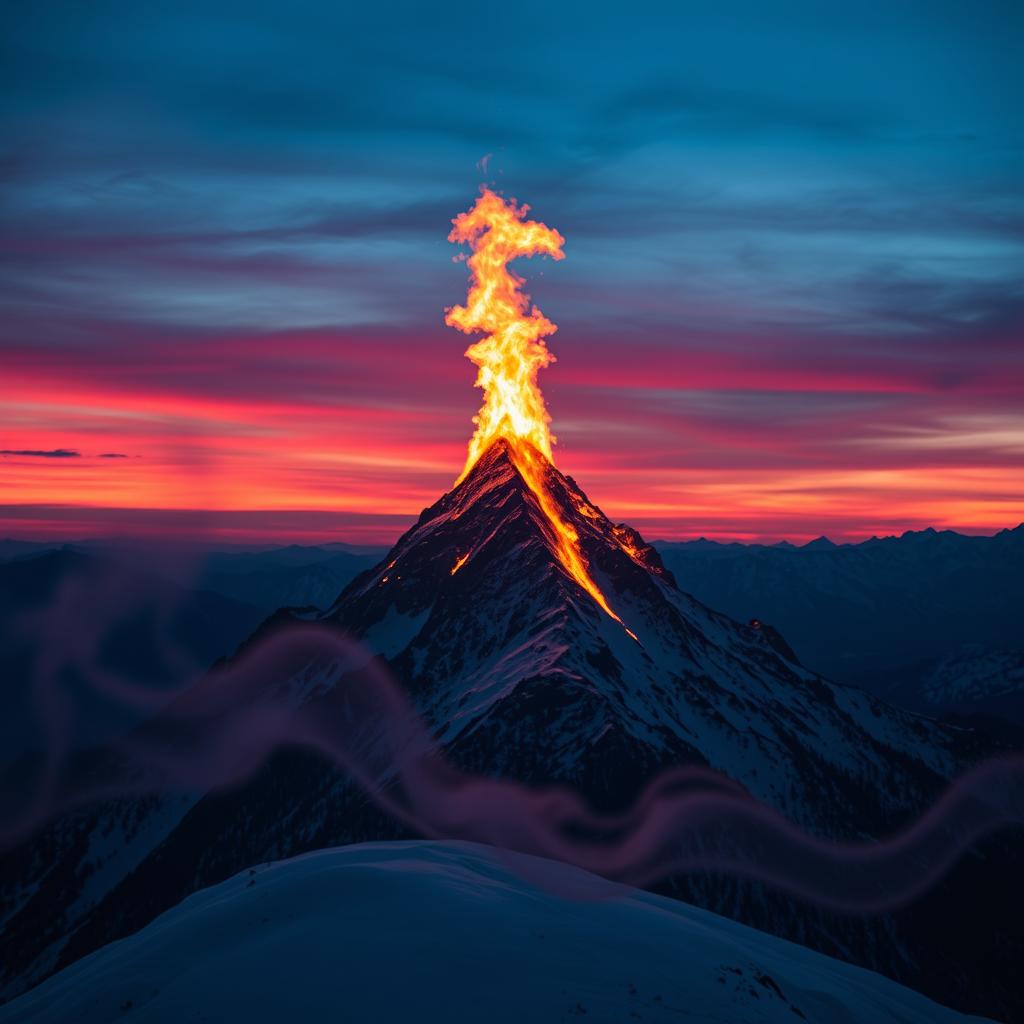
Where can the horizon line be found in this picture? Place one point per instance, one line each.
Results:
(197, 539)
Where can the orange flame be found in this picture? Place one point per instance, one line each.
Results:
(514, 349)
(511, 355)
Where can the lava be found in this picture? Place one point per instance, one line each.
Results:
(510, 356)
(532, 464)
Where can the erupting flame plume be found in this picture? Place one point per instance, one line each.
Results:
(511, 355)
(514, 349)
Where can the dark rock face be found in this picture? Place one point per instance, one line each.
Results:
(521, 674)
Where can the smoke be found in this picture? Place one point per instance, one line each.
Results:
(76, 647)
(307, 686)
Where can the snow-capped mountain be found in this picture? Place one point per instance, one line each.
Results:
(520, 673)
(395, 932)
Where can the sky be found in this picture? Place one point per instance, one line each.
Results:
(792, 301)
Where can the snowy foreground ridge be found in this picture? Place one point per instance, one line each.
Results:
(428, 931)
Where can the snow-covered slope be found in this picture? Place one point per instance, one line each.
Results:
(454, 931)
(973, 680)
(99, 848)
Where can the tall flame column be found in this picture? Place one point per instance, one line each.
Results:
(511, 355)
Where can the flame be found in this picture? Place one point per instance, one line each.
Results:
(509, 358)
(513, 351)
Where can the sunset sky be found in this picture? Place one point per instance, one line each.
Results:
(792, 301)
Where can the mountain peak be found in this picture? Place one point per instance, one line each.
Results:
(496, 469)
(513, 516)
(559, 500)
(819, 543)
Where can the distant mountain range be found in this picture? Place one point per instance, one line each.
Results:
(158, 618)
(886, 614)
(74, 622)
(264, 577)
(931, 620)
(285, 577)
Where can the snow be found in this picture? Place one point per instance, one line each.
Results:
(394, 632)
(972, 674)
(125, 834)
(454, 932)
(107, 849)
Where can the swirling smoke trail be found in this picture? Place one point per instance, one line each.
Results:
(220, 731)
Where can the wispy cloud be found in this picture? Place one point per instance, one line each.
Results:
(53, 453)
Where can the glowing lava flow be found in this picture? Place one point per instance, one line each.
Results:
(510, 356)
(531, 465)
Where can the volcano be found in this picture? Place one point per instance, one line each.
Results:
(521, 673)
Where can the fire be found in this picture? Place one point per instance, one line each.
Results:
(459, 563)
(513, 351)
(510, 356)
